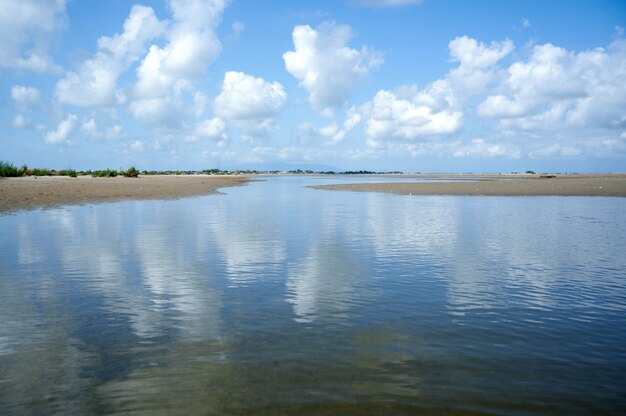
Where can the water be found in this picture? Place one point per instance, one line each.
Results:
(278, 299)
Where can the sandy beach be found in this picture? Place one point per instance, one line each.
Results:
(43, 192)
(499, 185)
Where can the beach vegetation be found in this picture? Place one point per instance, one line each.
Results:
(132, 172)
(9, 170)
(68, 172)
(106, 173)
(41, 172)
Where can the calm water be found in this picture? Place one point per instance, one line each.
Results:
(277, 299)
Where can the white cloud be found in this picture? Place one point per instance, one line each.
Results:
(140, 26)
(554, 150)
(157, 111)
(63, 130)
(95, 83)
(477, 68)
(26, 28)
(470, 53)
(556, 89)
(20, 121)
(438, 109)
(192, 45)
(325, 66)
(329, 130)
(251, 101)
(90, 127)
(483, 148)
(388, 116)
(214, 128)
(137, 146)
(333, 132)
(25, 97)
(525, 22)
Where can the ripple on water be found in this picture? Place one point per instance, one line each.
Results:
(279, 299)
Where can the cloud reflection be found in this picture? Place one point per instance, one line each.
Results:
(322, 284)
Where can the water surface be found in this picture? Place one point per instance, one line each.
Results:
(279, 299)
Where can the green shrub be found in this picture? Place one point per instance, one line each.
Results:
(8, 170)
(68, 172)
(42, 172)
(132, 172)
(107, 173)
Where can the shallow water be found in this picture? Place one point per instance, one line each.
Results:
(278, 299)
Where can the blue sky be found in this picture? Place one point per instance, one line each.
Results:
(428, 86)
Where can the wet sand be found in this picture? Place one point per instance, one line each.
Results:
(498, 185)
(43, 192)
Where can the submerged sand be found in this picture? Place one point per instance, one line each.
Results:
(43, 192)
(499, 185)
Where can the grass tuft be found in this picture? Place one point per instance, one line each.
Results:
(9, 170)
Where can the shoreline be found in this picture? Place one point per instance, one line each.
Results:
(26, 193)
(497, 185)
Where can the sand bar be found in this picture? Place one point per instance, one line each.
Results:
(44, 192)
(496, 185)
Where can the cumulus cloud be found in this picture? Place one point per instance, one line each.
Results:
(192, 45)
(325, 66)
(555, 88)
(250, 101)
(161, 111)
(333, 132)
(25, 97)
(90, 127)
(473, 54)
(63, 130)
(477, 68)
(214, 129)
(26, 27)
(211, 128)
(95, 82)
(390, 116)
(437, 109)
(550, 103)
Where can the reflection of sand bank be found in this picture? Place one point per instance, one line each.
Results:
(31, 192)
(565, 185)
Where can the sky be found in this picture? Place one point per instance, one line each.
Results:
(410, 85)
